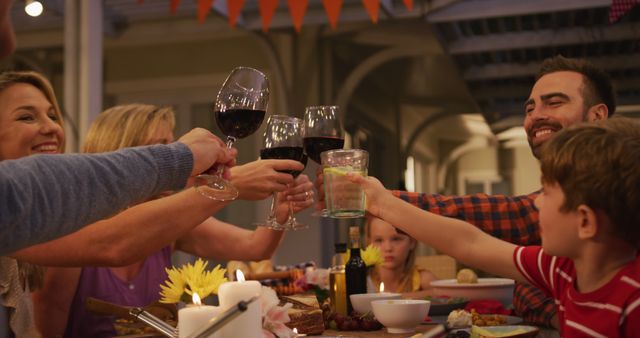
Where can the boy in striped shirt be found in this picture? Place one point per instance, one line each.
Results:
(590, 227)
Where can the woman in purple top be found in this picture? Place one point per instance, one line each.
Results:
(184, 217)
(103, 283)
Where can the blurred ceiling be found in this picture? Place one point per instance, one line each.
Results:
(477, 55)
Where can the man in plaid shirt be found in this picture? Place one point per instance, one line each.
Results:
(567, 91)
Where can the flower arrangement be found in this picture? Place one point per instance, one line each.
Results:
(194, 278)
(371, 256)
(190, 278)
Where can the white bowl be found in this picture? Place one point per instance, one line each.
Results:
(361, 302)
(400, 315)
(500, 289)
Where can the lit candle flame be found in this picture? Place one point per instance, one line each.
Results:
(295, 330)
(196, 299)
(239, 276)
(381, 287)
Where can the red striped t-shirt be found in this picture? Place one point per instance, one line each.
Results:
(611, 311)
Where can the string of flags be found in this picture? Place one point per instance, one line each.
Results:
(297, 10)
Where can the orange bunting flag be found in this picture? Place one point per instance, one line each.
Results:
(173, 6)
(372, 7)
(204, 7)
(333, 8)
(297, 9)
(234, 7)
(267, 10)
(408, 4)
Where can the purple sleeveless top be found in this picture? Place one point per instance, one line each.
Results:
(101, 283)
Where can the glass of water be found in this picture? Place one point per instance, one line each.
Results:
(343, 198)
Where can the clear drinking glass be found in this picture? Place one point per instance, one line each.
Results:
(322, 131)
(283, 141)
(239, 110)
(344, 199)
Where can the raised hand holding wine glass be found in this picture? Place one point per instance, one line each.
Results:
(283, 141)
(322, 131)
(239, 110)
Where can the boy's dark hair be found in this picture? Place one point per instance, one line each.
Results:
(597, 84)
(598, 165)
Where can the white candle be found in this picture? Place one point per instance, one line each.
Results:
(194, 316)
(249, 323)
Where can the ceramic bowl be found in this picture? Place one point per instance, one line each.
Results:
(400, 315)
(361, 302)
(487, 288)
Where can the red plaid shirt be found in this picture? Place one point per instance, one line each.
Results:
(511, 218)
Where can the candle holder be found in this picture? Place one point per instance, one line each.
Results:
(154, 322)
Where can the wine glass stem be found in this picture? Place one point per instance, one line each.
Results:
(220, 168)
(274, 204)
(292, 218)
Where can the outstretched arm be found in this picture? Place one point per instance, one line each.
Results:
(461, 240)
(129, 236)
(214, 238)
(36, 192)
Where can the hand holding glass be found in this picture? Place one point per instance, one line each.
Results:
(239, 110)
(283, 141)
(343, 198)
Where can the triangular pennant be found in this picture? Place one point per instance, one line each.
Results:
(173, 6)
(408, 4)
(372, 7)
(333, 8)
(234, 7)
(297, 9)
(204, 7)
(267, 10)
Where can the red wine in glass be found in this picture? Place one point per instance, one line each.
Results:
(239, 123)
(284, 153)
(315, 145)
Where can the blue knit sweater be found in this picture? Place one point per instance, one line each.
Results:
(43, 197)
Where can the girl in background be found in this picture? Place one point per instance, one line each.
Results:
(398, 272)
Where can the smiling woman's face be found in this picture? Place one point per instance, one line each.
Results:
(28, 123)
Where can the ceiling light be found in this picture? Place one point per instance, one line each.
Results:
(33, 7)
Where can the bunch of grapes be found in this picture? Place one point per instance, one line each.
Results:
(355, 322)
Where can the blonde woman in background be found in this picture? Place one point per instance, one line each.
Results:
(60, 305)
(398, 271)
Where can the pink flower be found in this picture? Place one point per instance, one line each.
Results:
(275, 319)
(319, 277)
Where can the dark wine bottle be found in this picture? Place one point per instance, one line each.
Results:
(355, 270)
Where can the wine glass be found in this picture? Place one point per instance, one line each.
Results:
(283, 141)
(239, 110)
(322, 131)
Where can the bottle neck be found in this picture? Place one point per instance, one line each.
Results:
(355, 252)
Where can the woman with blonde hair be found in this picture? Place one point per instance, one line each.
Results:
(30, 123)
(398, 271)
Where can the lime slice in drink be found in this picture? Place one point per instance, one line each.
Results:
(342, 171)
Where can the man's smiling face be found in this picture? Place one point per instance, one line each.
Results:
(556, 101)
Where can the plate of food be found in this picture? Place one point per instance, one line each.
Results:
(500, 289)
(443, 305)
(463, 319)
(511, 331)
